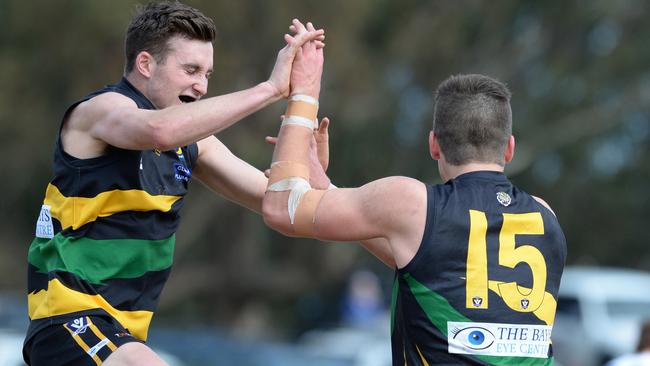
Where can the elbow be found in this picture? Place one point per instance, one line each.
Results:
(161, 136)
(274, 217)
(139, 131)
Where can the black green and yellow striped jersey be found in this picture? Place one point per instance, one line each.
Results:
(105, 235)
(482, 288)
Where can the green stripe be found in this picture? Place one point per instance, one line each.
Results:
(98, 260)
(439, 311)
(393, 304)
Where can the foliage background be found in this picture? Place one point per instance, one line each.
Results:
(579, 75)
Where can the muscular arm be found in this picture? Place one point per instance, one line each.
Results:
(113, 119)
(224, 173)
(388, 215)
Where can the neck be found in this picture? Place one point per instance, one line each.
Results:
(135, 81)
(448, 171)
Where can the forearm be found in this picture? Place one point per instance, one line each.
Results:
(245, 188)
(184, 124)
(290, 175)
(229, 176)
(290, 161)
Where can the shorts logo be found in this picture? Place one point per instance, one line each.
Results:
(93, 351)
(181, 172)
(504, 199)
(78, 326)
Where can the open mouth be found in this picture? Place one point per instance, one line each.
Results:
(186, 98)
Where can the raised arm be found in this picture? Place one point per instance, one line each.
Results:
(113, 119)
(389, 213)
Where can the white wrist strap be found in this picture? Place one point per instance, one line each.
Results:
(304, 98)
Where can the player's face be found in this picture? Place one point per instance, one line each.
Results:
(183, 76)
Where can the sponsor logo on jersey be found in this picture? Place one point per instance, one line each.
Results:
(498, 339)
(181, 172)
(44, 227)
(524, 303)
(504, 198)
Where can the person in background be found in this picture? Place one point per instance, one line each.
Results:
(642, 355)
(362, 304)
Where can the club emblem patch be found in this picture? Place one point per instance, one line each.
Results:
(78, 326)
(504, 199)
(477, 301)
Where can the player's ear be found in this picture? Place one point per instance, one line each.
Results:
(509, 152)
(434, 148)
(145, 63)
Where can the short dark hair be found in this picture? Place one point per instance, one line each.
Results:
(472, 119)
(644, 337)
(155, 23)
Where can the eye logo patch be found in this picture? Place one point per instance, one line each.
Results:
(475, 338)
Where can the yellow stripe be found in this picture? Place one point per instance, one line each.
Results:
(101, 335)
(59, 300)
(83, 345)
(477, 273)
(421, 356)
(546, 311)
(78, 211)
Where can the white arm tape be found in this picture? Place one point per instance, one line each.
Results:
(304, 98)
(297, 187)
(299, 121)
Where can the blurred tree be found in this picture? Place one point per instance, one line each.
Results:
(578, 72)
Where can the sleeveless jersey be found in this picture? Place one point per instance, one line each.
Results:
(105, 235)
(482, 288)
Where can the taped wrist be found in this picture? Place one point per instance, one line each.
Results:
(281, 170)
(302, 110)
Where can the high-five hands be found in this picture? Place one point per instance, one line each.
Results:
(280, 76)
(307, 65)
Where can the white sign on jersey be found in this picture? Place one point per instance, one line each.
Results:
(44, 227)
(497, 339)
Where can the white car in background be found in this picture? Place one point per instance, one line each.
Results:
(11, 345)
(599, 314)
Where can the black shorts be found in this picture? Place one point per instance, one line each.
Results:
(86, 340)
